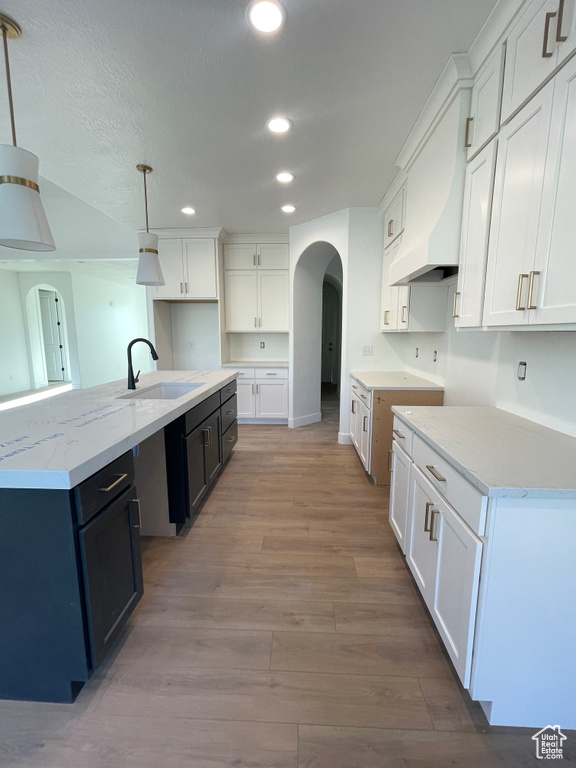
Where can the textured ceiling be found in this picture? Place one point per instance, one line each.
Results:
(186, 86)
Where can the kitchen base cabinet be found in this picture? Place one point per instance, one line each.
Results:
(72, 560)
(263, 395)
(399, 488)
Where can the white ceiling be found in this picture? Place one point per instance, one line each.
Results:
(186, 86)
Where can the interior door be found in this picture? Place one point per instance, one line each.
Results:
(51, 335)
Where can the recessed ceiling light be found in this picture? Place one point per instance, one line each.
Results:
(266, 15)
(288, 208)
(188, 210)
(279, 125)
(285, 177)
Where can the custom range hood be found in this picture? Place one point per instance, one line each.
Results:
(433, 164)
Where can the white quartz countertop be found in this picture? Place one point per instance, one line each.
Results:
(257, 364)
(497, 452)
(60, 441)
(393, 380)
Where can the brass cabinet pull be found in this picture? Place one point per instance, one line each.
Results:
(230, 412)
(404, 308)
(560, 38)
(390, 228)
(353, 403)
(434, 512)
(230, 439)
(364, 427)
(253, 392)
(115, 483)
(354, 386)
(546, 54)
(386, 317)
(399, 434)
(531, 289)
(429, 504)
(186, 287)
(363, 397)
(257, 389)
(260, 322)
(255, 322)
(519, 306)
(254, 260)
(454, 312)
(434, 472)
(258, 260)
(467, 142)
(271, 374)
(390, 461)
(137, 502)
(181, 287)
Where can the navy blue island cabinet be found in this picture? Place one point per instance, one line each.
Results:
(70, 576)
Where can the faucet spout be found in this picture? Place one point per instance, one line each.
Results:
(131, 379)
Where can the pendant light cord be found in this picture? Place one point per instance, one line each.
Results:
(146, 200)
(9, 83)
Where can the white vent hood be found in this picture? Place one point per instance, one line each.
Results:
(433, 160)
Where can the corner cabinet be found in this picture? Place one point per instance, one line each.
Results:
(256, 287)
(189, 267)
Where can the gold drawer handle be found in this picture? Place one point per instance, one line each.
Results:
(546, 54)
(454, 310)
(531, 289)
(115, 483)
(363, 397)
(354, 386)
(560, 38)
(353, 404)
(399, 434)
(434, 512)
(390, 461)
(519, 306)
(386, 317)
(434, 472)
(364, 427)
(467, 142)
(391, 228)
(429, 504)
(271, 374)
(404, 308)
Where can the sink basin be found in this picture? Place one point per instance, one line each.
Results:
(164, 391)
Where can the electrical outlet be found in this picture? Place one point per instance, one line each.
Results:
(522, 371)
(262, 345)
(367, 351)
(434, 356)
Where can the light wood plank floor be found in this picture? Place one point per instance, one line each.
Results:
(282, 631)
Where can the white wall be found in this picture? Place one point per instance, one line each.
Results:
(14, 369)
(108, 316)
(195, 324)
(480, 367)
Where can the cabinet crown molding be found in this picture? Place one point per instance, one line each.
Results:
(190, 233)
(256, 238)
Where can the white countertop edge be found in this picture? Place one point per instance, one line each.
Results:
(467, 474)
(418, 383)
(58, 479)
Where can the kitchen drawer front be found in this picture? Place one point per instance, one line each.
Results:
(246, 373)
(229, 440)
(271, 373)
(227, 391)
(104, 486)
(196, 415)
(229, 412)
(466, 500)
(361, 393)
(403, 435)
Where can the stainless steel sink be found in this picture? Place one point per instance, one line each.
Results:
(165, 390)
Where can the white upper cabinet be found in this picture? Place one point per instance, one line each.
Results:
(394, 218)
(257, 300)
(189, 269)
(516, 210)
(469, 296)
(542, 38)
(256, 256)
(486, 99)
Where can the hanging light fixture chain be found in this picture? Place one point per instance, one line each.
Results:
(9, 83)
(146, 202)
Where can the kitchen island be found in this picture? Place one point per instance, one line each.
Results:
(70, 515)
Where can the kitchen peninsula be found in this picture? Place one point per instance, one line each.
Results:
(70, 562)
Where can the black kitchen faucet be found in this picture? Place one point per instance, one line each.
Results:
(132, 380)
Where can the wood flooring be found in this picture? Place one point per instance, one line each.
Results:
(282, 630)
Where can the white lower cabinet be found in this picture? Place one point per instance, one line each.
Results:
(399, 488)
(264, 395)
(361, 421)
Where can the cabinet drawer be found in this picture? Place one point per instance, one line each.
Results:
(245, 373)
(102, 487)
(196, 415)
(229, 440)
(402, 434)
(227, 391)
(466, 500)
(271, 373)
(361, 393)
(229, 413)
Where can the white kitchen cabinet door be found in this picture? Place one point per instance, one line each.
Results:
(246, 399)
(554, 271)
(273, 300)
(170, 256)
(272, 399)
(394, 219)
(486, 100)
(239, 256)
(456, 589)
(365, 427)
(200, 269)
(355, 422)
(241, 287)
(518, 188)
(469, 296)
(531, 53)
(403, 322)
(389, 300)
(399, 494)
(273, 256)
(421, 552)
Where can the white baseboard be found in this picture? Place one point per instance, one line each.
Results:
(302, 421)
(344, 438)
(262, 421)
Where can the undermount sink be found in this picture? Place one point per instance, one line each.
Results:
(163, 391)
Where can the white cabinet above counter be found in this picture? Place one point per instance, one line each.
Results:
(484, 507)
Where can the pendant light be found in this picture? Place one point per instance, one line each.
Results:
(149, 271)
(23, 223)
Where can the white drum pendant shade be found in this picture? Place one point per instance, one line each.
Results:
(23, 223)
(149, 271)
